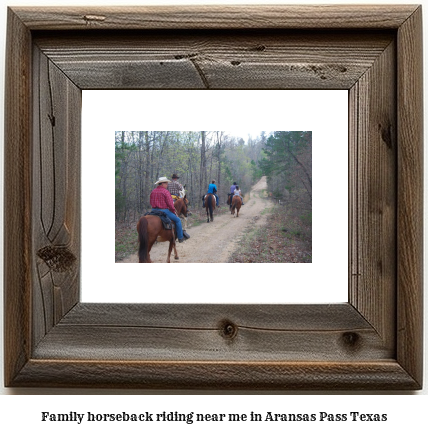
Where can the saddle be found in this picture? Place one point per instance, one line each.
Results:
(166, 221)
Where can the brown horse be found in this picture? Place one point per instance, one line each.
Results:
(181, 206)
(210, 206)
(150, 229)
(236, 204)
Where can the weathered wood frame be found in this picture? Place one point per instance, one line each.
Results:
(372, 342)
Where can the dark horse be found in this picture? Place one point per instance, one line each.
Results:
(150, 229)
(210, 206)
(236, 204)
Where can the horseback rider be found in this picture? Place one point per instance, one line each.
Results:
(237, 192)
(161, 200)
(212, 188)
(174, 187)
(232, 191)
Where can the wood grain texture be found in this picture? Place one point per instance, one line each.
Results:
(217, 17)
(372, 342)
(17, 197)
(56, 194)
(216, 60)
(373, 163)
(199, 332)
(210, 316)
(385, 375)
(410, 196)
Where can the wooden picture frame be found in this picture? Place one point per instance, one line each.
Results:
(372, 342)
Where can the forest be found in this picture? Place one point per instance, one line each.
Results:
(273, 170)
(141, 157)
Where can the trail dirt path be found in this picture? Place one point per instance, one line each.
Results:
(215, 241)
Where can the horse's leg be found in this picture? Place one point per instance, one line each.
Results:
(152, 239)
(168, 259)
(175, 250)
(151, 242)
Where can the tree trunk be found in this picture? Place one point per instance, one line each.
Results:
(219, 139)
(147, 185)
(203, 172)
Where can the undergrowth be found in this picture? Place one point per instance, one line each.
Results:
(286, 237)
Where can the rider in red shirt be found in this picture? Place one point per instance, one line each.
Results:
(161, 200)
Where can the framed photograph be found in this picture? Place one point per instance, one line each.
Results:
(371, 342)
(283, 254)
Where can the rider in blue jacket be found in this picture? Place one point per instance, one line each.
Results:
(212, 188)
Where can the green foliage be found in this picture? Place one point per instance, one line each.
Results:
(256, 172)
(120, 201)
(287, 162)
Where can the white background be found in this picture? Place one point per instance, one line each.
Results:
(325, 113)
(16, 412)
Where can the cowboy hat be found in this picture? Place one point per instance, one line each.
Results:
(175, 176)
(162, 179)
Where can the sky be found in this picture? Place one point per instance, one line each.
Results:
(244, 133)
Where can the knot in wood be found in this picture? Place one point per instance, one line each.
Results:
(386, 134)
(58, 259)
(351, 340)
(228, 329)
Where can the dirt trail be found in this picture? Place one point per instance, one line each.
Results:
(215, 241)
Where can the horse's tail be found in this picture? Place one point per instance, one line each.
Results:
(233, 205)
(143, 239)
(210, 204)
